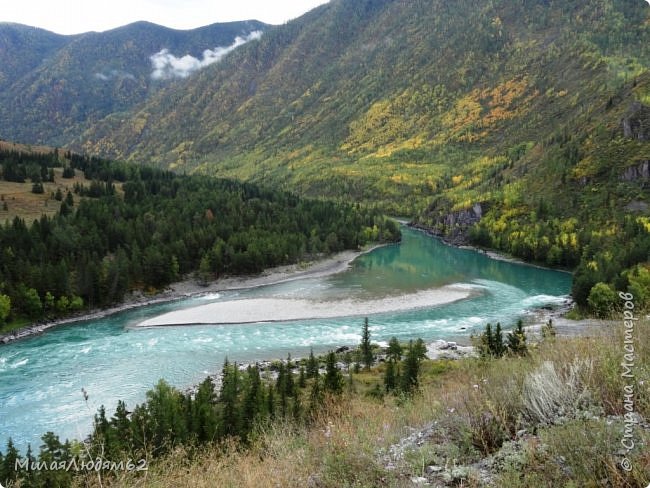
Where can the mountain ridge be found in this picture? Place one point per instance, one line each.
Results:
(79, 79)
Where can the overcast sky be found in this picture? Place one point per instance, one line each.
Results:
(75, 16)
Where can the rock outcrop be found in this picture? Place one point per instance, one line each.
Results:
(636, 123)
(453, 227)
(637, 172)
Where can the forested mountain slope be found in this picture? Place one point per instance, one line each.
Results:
(528, 116)
(53, 86)
(384, 99)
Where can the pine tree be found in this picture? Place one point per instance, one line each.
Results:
(122, 425)
(366, 347)
(9, 471)
(270, 402)
(410, 377)
(296, 410)
(390, 376)
(254, 398)
(316, 397)
(289, 385)
(333, 377)
(52, 451)
(30, 476)
(228, 396)
(517, 340)
(498, 347)
(204, 418)
(281, 388)
(485, 342)
(394, 349)
(312, 365)
(302, 378)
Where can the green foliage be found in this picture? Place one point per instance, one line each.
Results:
(490, 344)
(391, 376)
(365, 348)
(5, 308)
(312, 365)
(410, 376)
(602, 299)
(546, 136)
(516, 340)
(394, 349)
(333, 379)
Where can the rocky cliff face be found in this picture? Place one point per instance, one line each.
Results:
(636, 123)
(635, 173)
(453, 227)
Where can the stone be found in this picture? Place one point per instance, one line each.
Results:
(419, 480)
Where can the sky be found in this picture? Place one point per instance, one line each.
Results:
(76, 16)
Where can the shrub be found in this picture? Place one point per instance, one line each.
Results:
(602, 299)
(549, 394)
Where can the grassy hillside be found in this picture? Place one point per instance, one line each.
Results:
(54, 86)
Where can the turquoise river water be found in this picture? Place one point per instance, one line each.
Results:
(41, 377)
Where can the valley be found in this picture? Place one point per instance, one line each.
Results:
(175, 203)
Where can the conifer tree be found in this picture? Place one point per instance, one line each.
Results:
(316, 396)
(254, 398)
(485, 342)
(498, 348)
(302, 378)
(289, 385)
(333, 377)
(517, 340)
(9, 471)
(312, 365)
(281, 388)
(229, 418)
(394, 349)
(270, 402)
(366, 347)
(122, 425)
(390, 376)
(204, 417)
(410, 376)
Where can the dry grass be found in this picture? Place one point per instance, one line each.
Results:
(30, 206)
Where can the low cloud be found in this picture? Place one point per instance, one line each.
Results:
(114, 74)
(166, 66)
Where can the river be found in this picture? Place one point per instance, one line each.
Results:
(41, 378)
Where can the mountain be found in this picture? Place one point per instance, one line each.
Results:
(521, 125)
(53, 86)
(23, 48)
(392, 99)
